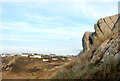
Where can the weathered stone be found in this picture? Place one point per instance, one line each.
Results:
(112, 50)
(86, 42)
(99, 33)
(109, 22)
(116, 27)
(99, 53)
(94, 39)
(107, 48)
(114, 18)
(117, 56)
(104, 29)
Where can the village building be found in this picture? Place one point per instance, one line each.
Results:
(24, 54)
(54, 59)
(31, 56)
(3, 55)
(7, 55)
(35, 56)
(62, 58)
(45, 60)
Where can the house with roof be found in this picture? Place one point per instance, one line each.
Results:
(3, 55)
(35, 56)
(45, 58)
(24, 54)
(54, 59)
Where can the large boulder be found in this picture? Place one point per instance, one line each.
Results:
(86, 41)
(104, 29)
(110, 47)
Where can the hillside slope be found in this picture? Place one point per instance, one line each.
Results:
(18, 67)
(100, 57)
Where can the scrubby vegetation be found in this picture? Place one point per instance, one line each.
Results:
(77, 70)
(19, 64)
(84, 69)
(107, 65)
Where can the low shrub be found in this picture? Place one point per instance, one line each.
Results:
(109, 69)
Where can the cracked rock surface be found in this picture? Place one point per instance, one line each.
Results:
(106, 37)
(104, 29)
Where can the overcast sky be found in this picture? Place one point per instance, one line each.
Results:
(49, 27)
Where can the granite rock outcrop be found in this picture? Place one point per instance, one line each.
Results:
(106, 37)
(104, 29)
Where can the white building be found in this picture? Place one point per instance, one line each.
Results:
(52, 55)
(62, 58)
(35, 56)
(45, 60)
(3, 55)
(55, 59)
(24, 55)
(7, 55)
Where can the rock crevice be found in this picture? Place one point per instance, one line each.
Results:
(106, 37)
(104, 29)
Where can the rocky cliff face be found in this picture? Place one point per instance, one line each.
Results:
(109, 48)
(100, 57)
(104, 29)
(106, 36)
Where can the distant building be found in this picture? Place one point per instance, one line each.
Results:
(45, 60)
(52, 55)
(3, 55)
(45, 56)
(24, 54)
(62, 58)
(7, 55)
(35, 56)
(54, 58)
